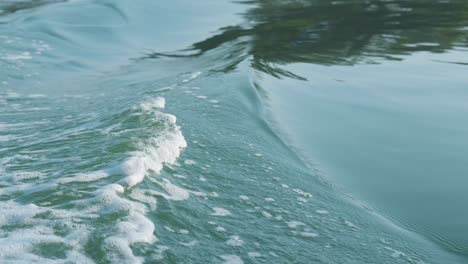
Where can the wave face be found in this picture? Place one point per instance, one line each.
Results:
(131, 133)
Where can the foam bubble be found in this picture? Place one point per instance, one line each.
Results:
(36, 96)
(266, 214)
(309, 234)
(303, 193)
(169, 229)
(189, 244)
(27, 231)
(16, 57)
(294, 224)
(220, 229)
(158, 102)
(175, 192)
(231, 259)
(395, 253)
(85, 177)
(192, 76)
(235, 241)
(349, 224)
(243, 197)
(218, 211)
(254, 254)
(301, 200)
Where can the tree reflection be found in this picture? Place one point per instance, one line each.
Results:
(338, 32)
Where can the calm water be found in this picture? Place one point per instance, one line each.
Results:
(233, 132)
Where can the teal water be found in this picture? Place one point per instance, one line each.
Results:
(233, 132)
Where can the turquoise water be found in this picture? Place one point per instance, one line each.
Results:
(229, 132)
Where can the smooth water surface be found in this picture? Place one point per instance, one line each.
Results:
(233, 132)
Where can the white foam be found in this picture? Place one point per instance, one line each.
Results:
(16, 57)
(218, 211)
(134, 228)
(309, 234)
(161, 150)
(85, 177)
(231, 259)
(24, 228)
(395, 253)
(269, 199)
(189, 244)
(158, 102)
(193, 76)
(349, 224)
(199, 194)
(169, 229)
(266, 214)
(235, 241)
(220, 229)
(302, 199)
(243, 197)
(27, 175)
(321, 211)
(37, 96)
(143, 197)
(294, 224)
(175, 192)
(303, 193)
(254, 254)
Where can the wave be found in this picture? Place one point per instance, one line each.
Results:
(29, 231)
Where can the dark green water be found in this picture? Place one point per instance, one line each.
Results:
(233, 132)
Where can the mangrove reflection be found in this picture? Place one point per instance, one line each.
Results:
(337, 32)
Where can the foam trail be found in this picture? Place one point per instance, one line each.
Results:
(160, 142)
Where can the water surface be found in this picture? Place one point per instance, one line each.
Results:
(233, 132)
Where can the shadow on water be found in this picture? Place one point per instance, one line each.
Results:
(338, 32)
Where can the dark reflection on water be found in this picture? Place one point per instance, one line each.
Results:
(339, 32)
(12, 6)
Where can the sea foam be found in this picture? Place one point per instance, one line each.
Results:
(23, 229)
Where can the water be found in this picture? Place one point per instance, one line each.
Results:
(225, 132)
